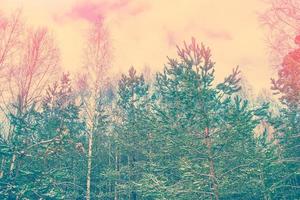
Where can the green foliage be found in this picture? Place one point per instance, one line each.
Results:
(42, 144)
(183, 137)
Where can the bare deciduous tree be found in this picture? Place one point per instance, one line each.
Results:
(28, 60)
(282, 19)
(97, 62)
(11, 29)
(38, 64)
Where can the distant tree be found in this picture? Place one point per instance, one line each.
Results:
(148, 73)
(246, 92)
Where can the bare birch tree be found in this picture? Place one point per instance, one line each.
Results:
(97, 62)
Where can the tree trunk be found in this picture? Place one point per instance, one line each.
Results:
(12, 164)
(117, 169)
(211, 166)
(110, 185)
(129, 175)
(89, 168)
(2, 168)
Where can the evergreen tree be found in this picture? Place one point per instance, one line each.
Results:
(206, 130)
(132, 134)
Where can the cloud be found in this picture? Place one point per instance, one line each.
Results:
(88, 11)
(92, 11)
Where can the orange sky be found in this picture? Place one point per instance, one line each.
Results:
(144, 32)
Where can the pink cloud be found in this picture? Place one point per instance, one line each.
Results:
(87, 11)
(92, 11)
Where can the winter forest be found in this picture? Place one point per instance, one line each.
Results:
(176, 133)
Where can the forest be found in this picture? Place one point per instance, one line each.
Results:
(176, 134)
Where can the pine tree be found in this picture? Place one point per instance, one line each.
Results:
(132, 133)
(205, 129)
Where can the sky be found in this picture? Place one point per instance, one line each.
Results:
(145, 32)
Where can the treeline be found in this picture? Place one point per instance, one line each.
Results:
(180, 136)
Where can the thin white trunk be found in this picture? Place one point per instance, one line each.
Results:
(89, 168)
(211, 166)
(12, 164)
(1, 169)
